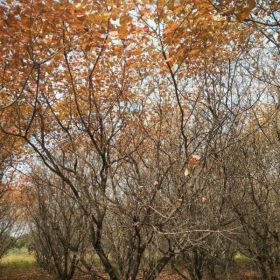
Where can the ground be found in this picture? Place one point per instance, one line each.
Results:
(21, 266)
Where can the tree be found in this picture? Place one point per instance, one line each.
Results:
(7, 195)
(256, 202)
(132, 107)
(56, 228)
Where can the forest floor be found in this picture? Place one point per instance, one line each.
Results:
(22, 267)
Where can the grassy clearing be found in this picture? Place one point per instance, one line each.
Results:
(20, 265)
(20, 258)
(242, 259)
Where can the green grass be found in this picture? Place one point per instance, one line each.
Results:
(20, 258)
(19, 264)
(240, 258)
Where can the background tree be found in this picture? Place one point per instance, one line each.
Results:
(56, 228)
(8, 207)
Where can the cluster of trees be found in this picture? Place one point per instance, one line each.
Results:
(8, 208)
(148, 131)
